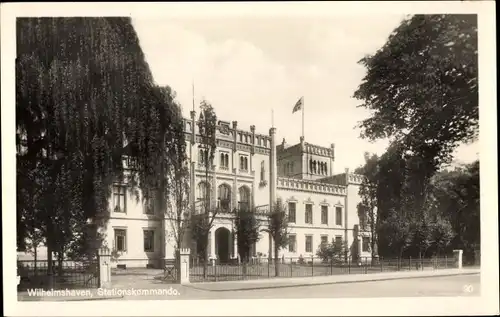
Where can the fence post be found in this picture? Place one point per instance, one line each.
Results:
(331, 266)
(458, 258)
(349, 266)
(366, 265)
(409, 264)
(183, 258)
(291, 267)
(104, 267)
(381, 264)
(445, 261)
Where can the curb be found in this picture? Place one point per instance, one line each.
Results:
(333, 282)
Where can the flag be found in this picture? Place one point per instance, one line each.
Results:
(298, 106)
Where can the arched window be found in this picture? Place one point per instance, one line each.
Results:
(224, 160)
(310, 166)
(224, 197)
(244, 197)
(203, 191)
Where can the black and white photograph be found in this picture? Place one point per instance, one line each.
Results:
(171, 154)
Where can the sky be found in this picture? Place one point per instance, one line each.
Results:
(254, 69)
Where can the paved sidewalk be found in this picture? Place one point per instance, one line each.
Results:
(323, 280)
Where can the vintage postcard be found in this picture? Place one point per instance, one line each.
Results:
(301, 158)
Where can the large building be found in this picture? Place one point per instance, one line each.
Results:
(249, 169)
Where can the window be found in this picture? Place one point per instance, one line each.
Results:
(149, 206)
(309, 214)
(120, 240)
(149, 239)
(224, 160)
(291, 212)
(338, 216)
(244, 163)
(362, 217)
(338, 241)
(225, 197)
(244, 194)
(203, 193)
(309, 243)
(119, 198)
(292, 242)
(366, 244)
(324, 215)
(246, 138)
(324, 239)
(262, 171)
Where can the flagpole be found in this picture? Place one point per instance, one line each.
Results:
(303, 106)
(272, 118)
(193, 93)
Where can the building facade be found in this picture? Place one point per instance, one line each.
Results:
(249, 169)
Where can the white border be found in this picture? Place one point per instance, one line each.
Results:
(487, 303)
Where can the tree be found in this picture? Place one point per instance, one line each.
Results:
(329, 252)
(367, 208)
(395, 234)
(456, 201)
(279, 230)
(207, 127)
(83, 90)
(441, 235)
(247, 232)
(422, 86)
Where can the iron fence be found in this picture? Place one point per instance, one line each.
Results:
(65, 274)
(263, 268)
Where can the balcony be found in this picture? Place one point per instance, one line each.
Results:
(224, 205)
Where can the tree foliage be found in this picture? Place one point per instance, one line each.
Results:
(207, 127)
(83, 91)
(332, 251)
(422, 86)
(367, 207)
(278, 229)
(247, 232)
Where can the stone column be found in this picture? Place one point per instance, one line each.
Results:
(104, 257)
(270, 248)
(183, 266)
(235, 247)
(272, 169)
(193, 186)
(457, 255)
(360, 247)
(211, 235)
(346, 206)
(214, 187)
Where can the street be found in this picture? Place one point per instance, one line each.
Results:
(466, 285)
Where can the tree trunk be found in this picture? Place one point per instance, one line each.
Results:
(60, 259)
(276, 261)
(205, 256)
(36, 256)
